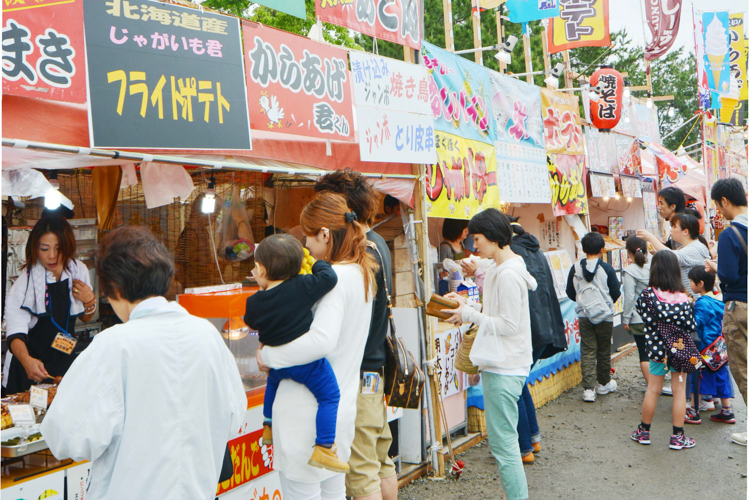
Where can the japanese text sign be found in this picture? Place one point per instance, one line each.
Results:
(446, 347)
(164, 76)
(395, 21)
(393, 113)
(568, 184)
(464, 180)
(523, 11)
(561, 122)
(601, 150)
(43, 51)
(738, 52)
(663, 22)
(251, 460)
(517, 110)
(582, 23)
(716, 50)
(389, 84)
(459, 95)
(297, 86)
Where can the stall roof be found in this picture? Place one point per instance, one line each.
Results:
(53, 122)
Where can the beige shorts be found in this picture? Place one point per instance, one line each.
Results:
(369, 461)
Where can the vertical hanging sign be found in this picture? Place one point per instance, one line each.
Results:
(582, 23)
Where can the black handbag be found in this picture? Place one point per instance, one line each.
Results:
(404, 379)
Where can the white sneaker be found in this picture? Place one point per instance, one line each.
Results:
(740, 438)
(666, 390)
(589, 395)
(707, 406)
(606, 389)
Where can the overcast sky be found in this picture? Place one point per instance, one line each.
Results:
(627, 14)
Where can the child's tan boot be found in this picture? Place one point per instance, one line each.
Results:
(267, 435)
(326, 458)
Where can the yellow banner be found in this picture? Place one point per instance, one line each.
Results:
(580, 26)
(464, 180)
(568, 183)
(562, 123)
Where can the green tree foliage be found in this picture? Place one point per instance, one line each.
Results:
(673, 74)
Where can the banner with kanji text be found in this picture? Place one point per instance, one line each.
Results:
(43, 51)
(397, 22)
(562, 123)
(393, 113)
(164, 76)
(296, 85)
(566, 174)
(464, 180)
(582, 23)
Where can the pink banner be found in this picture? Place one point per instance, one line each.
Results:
(664, 23)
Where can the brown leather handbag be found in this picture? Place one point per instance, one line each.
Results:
(404, 379)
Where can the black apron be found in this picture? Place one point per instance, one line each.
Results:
(39, 340)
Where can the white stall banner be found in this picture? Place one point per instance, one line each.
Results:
(392, 136)
(522, 173)
(384, 83)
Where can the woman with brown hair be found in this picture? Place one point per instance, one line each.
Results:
(43, 306)
(338, 333)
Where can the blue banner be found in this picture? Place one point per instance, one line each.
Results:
(459, 95)
(716, 50)
(546, 367)
(523, 11)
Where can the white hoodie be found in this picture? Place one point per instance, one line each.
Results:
(503, 342)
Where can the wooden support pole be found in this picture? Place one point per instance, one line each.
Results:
(648, 77)
(545, 52)
(527, 57)
(476, 23)
(448, 25)
(409, 55)
(500, 38)
(568, 70)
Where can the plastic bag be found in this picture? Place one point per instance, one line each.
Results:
(235, 240)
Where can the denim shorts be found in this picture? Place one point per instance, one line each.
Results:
(659, 369)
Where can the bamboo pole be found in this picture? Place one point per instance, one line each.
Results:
(409, 55)
(568, 70)
(545, 51)
(448, 25)
(527, 57)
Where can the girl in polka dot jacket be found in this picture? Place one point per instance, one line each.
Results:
(667, 314)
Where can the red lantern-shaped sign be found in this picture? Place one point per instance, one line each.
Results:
(607, 83)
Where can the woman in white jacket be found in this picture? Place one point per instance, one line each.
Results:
(338, 333)
(502, 348)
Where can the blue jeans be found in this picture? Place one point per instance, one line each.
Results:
(528, 428)
(319, 378)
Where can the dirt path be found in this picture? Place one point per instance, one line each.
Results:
(587, 453)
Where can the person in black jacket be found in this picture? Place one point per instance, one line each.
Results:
(547, 328)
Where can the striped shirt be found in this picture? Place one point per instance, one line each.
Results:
(691, 255)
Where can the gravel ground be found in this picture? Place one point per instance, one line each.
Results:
(587, 450)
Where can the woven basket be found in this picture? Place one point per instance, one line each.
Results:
(477, 422)
(463, 362)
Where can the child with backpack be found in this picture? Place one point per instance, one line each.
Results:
(709, 316)
(667, 314)
(594, 287)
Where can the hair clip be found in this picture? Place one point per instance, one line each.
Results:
(350, 217)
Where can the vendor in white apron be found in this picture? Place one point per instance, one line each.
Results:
(51, 293)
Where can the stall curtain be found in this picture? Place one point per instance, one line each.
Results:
(106, 189)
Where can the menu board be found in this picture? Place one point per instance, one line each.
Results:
(560, 265)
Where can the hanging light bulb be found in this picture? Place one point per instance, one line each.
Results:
(670, 112)
(627, 118)
(630, 198)
(626, 93)
(606, 198)
(209, 198)
(649, 101)
(53, 198)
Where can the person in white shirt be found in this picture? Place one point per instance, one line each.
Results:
(502, 348)
(339, 332)
(151, 402)
(51, 293)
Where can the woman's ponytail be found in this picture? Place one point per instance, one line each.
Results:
(638, 247)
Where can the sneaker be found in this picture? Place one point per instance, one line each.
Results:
(666, 390)
(692, 416)
(641, 436)
(606, 389)
(538, 446)
(589, 395)
(326, 458)
(528, 459)
(707, 406)
(680, 441)
(739, 438)
(721, 417)
(267, 435)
